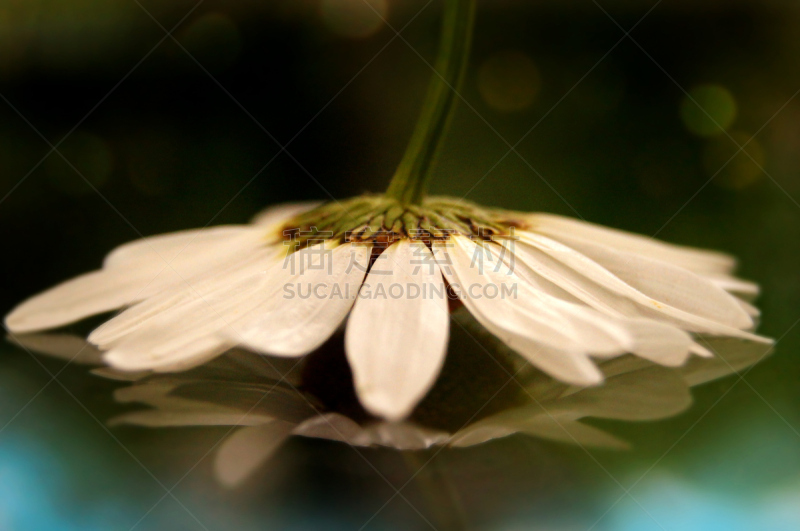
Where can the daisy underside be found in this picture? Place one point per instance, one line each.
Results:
(559, 292)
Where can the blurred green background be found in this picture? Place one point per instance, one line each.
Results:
(254, 103)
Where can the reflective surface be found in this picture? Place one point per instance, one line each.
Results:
(246, 423)
(611, 137)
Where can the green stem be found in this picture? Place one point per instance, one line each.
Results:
(410, 182)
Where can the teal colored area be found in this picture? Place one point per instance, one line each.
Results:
(668, 504)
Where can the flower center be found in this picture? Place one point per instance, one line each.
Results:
(384, 220)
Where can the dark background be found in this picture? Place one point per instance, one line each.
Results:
(155, 135)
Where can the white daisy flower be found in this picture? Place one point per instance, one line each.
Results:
(559, 292)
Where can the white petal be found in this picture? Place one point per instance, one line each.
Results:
(660, 343)
(751, 310)
(174, 305)
(527, 324)
(565, 274)
(574, 368)
(648, 306)
(396, 345)
(132, 273)
(176, 247)
(137, 316)
(294, 325)
(247, 449)
(737, 286)
(187, 332)
(520, 314)
(700, 261)
(197, 259)
(171, 348)
(600, 334)
(88, 294)
(680, 288)
(192, 355)
(700, 350)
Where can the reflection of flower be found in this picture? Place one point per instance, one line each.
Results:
(557, 291)
(268, 404)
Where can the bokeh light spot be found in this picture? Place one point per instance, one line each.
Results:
(90, 155)
(734, 170)
(708, 110)
(354, 19)
(508, 81)
(214, 40)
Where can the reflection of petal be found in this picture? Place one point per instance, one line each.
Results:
(334, 427)
(730, 356)
(480, 433)
(121, 376)
(623, 365)
(574, 432)
(258, 399)
(396, 346)
(170, 409)
(237, 362)
(64, 346)
(649, 394)
(239, 390)
(247, 449)
(545, 427)
(189, 416)
(152, 391)
(400, 436)
(645, 394)
(405, 436)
